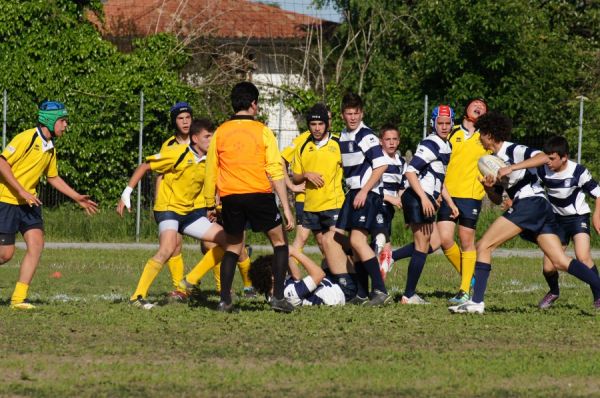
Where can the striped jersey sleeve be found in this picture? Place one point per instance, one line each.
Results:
(566, 189)
(520, 183)
(429, 163)
(361, 153)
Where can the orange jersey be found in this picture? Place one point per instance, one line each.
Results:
(243, 157)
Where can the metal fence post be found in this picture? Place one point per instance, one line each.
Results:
(580, 136)
(139, 185)
(4, 109)
(280, 121)
(425, 116)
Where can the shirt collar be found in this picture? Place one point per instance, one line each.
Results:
(47, 144)
(360, 126)
(197, 155)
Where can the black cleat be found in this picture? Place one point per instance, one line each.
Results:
(281, 305)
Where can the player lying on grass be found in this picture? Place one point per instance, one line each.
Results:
(530, 215)
(27, 157)
(313, 289)
(567, 183)
(183, 169)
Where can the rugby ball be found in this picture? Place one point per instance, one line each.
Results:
(489, 165)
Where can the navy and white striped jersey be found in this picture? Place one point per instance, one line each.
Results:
(522, 183)
(393, 178)
(305, 292)
(429, 163)
(566, 189)
(361, 153)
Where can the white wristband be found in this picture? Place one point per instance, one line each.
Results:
(126, 196)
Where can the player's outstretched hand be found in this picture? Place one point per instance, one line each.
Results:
(87, 204)
(488, 181)
(504, 171)
(298, 188)
(121, 206)
(31, 200)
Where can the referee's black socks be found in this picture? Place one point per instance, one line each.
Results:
(279, 267)
(228, 264)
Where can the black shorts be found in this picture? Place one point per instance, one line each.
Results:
(320, 220)
(569, 226)
(413, 210)
(534, 216)
(299, 207)
(388, 216)
(179, 221)
(259, 209)
(369, 217)
(469, 210)
(18, 218)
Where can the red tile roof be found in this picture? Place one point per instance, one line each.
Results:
(214, 18)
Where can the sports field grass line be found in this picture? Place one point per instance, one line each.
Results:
(514, 252)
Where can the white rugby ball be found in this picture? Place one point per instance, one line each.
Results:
(489, 165)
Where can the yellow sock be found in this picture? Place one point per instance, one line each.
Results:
(244, 267)
(20, 293)
(453, 255)
(176, 267)
(210, 259)
(151, 270)
(217, 275)
(468, 268)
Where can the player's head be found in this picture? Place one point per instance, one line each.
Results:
(261, 274)
(244, 96)
(474, 109)
(317, 119)
(201, 131)
(389, 138)
(557, 149)
(53, 115)
(493, 128)
(442, 120)
(181, 117)
(352, 110)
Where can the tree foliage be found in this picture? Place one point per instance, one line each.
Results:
(529, 59)
(48, 50)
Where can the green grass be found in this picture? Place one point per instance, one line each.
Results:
(85, 341)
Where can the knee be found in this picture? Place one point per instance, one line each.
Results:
(6, 256)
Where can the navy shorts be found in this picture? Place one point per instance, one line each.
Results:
(183, 220)
(18, 218)
(569, 226)
(534, 216)
(412, 209)
(469, 210)
(299, 207)
(259, 209)
(320, 220)
(369, 217)
(388, 216)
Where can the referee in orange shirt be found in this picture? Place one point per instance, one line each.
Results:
(244, 165)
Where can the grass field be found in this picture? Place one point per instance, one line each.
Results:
(84, 340)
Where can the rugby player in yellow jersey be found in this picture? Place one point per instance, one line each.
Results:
(464, 186)
(181, 119)
(29, 156)
(318, 163)
(183, 168)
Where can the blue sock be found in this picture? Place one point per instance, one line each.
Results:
(362, 279)
(552, 280)
(482, 272)
(596, 293)
(372, 267)
(404, 252)
(580, 271)
(415, 267)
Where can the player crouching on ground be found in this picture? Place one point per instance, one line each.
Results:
(183, 170)
(313, 289)
(530, 215)
(25, 159)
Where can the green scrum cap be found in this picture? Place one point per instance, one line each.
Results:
(50, 112)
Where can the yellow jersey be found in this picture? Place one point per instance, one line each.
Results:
(183, 178)
(462, 174)
(325, 158)
(288, 154)
(30, 156)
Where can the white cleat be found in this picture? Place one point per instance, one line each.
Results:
(414, 299)
(469, 307)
